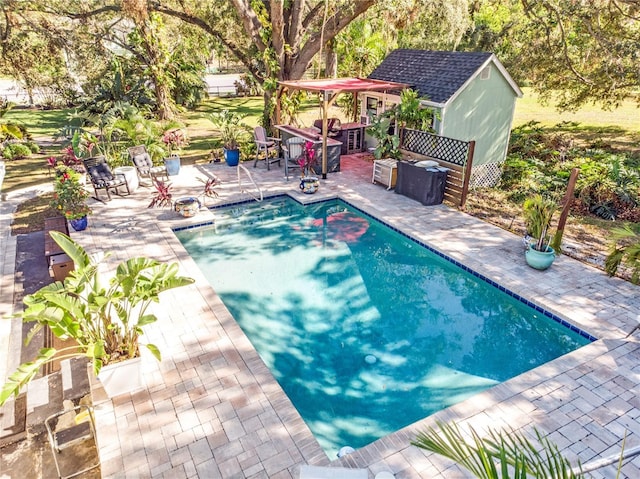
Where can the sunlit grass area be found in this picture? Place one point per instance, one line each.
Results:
(529, 108)
(619, 128)
(40, 123)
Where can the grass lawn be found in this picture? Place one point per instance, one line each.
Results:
(619, 128)
(41, 124)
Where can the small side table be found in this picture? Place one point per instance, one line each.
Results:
(385, 172)
(131, 174)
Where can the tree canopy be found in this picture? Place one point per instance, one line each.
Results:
(571, 52)
(583, 51)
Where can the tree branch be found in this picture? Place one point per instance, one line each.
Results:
(334, 25)
(250, 22)
(277, 34)
(196, 21)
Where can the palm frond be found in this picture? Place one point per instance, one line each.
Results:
(499, 455)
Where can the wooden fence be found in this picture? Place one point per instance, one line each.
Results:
(457, 155)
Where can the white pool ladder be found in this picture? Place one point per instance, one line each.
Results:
(258, 197)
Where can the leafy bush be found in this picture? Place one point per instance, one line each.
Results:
(15, 151)
(33, 146)
(625, 250)
(121, 83)
(540, 161)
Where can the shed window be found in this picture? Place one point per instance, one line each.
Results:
(372, 107)
(486, 73)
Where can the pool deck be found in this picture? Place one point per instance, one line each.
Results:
(212, 409)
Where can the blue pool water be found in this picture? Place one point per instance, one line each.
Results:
(366, 330)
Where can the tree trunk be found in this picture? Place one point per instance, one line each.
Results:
(163, 97)
(156, 67)
(268, 116)
(331, 62)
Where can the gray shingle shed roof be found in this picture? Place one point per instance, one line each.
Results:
(438, 75)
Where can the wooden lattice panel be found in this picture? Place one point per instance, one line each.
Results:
(438, 147)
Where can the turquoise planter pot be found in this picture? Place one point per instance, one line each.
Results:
(540, 259)
(232, 157)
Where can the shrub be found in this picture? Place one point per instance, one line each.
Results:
(540, 161)
(625, 250)
(7, 152)
(15, 151)
(33, 146)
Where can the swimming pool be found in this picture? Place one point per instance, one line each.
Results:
(366, 330)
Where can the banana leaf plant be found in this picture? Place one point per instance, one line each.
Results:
(105, 319)
(388, 143)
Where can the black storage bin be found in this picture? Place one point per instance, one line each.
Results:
(425, 185)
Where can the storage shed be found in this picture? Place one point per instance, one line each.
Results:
(471, 91)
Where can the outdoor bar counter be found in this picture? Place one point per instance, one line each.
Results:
(311, 134)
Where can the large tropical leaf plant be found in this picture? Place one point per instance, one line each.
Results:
(104, 319)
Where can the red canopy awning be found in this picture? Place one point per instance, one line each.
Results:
(343, 85)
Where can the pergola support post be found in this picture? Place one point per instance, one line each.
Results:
(325, 124)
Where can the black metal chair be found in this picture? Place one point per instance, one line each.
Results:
(102, 178)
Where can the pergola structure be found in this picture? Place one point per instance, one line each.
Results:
(330, 88)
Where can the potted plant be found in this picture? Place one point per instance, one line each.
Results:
(232, 131)
(70, 197)
(106, 320)
(174, 140)
(388, 143)
(209, 188)
(309, 183)
(538, 212)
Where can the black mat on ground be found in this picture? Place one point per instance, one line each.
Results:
(32, 273)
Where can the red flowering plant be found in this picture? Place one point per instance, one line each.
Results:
(69, 195)
(308, 159)
(67, 158)
(175, 139)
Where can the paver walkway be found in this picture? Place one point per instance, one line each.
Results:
(212, 409)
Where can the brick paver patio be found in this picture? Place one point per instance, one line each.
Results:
(212, 409)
